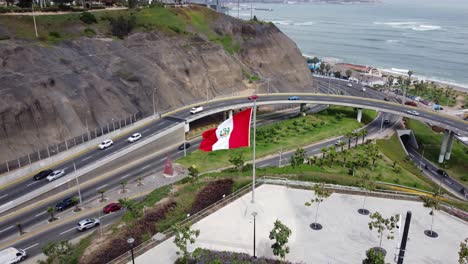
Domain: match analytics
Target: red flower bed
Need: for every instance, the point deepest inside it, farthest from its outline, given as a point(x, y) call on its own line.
point(211, 193)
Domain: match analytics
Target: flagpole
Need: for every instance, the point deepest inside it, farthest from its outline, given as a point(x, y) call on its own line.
point(254, 136)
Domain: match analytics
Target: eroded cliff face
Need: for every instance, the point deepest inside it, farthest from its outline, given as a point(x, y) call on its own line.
point(49, 93)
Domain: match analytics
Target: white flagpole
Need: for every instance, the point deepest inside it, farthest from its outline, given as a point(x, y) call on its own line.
point(254, 134)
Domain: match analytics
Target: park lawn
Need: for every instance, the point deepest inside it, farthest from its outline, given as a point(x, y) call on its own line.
point(281, 136)
point(392, 149)
point(457, 166)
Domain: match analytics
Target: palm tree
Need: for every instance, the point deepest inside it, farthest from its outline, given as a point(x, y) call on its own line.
point(101, 192)
point(75, 200)
point(349, 135)
point(324, 152)
point(123, 183)
point(356, 135)
point(20, 228)
point(332, 154)
point(328, 68)
point(51, 211)
point(363, 133)
point(348, 73)
point(341, 144)
point(322, 68)
point(345, 154)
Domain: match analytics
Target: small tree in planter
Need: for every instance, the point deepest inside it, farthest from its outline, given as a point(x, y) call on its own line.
point(20, 228)
point(280, 234)
point(75, 200)
point(320, 195)
point(139, 181)
point(381, 225)
point(368, 185)
point(374, 257)
point(123, 184)
point(432, 202)
point(184, 235)
point(101, 192)
point(237, 160)
point(51, 211)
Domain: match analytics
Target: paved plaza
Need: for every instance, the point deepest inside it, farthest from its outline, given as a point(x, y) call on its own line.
point(344, 238)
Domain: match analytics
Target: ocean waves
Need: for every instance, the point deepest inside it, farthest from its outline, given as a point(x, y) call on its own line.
point(416, 26)
point(293, 23)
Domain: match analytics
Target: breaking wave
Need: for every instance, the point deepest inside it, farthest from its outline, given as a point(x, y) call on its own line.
point(416, 26)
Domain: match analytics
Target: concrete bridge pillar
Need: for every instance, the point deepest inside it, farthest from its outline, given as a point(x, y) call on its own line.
point(443, 148)
point(302, 108)
point(231, 113)
point(449, 145)
point(359, 115)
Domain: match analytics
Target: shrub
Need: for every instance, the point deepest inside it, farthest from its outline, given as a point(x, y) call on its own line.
point(54, 34)
point(89, 32)
point(122, 26)
point(88, 18)
point(211, 193)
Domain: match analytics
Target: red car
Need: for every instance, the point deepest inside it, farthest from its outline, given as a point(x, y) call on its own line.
point(112, 207)
point(253, 97)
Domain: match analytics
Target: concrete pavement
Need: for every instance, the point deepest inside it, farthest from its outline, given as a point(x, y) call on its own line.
point(344, 238)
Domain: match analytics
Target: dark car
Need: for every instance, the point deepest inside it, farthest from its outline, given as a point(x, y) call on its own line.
point(112, 207)
point(66, 203)
point(386, 122)
point(42, 174)
point(385, 99)
point(187, 145)
point(442, 172)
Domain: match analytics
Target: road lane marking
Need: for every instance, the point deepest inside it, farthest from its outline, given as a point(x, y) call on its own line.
point(40, 214)
point(66, 231)
point(264, 165)
point(26, 248)
point(144, 131)
point(125, 176)
point(100, 187)
point(87, 158)
point(32, 183)
point(162, 159)
point(145, 167)
point(4, 196)
point(6, 229)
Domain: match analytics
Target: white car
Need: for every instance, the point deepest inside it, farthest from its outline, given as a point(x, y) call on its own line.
point(105, 144)
point(87, 224)
point(134, 137)
point(196, 109)
point(350, 84)
point(55, 175)
point(337, 143)
point(412, 112)
point(12, 255)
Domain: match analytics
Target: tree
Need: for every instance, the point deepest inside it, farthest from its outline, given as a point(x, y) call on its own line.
point(345, 154)
point(184, 235)
point(51, 211)
point(383, 224)
point(237, 160)
point(132, 3)
point(280, 234)
point(349, 135)
point(341, 144)
point(322, 68)
point(332, 154)
point(298, 158)
point(463, 253)
point(75, 200)
point(139, 181)
point(368, 185)
point(374, 257)
point(193, 173)
point(57, 252)
point(314, 61)
point(131, 206)
point(123, 184)
point(433, 203)
point(337, 74)
point(328, 68)
point(356, 135)
point(320, 195)
point(324, 152)
point(101, 192)
point(390, 80)
point(20, 228)
point(348, 73)
point(363, 133)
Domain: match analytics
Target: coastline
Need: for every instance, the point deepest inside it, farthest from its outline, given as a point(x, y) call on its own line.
point(402, 72)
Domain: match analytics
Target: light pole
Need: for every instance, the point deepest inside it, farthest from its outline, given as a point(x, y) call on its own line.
point(280, 154)
point(130, 242)
point(34, 18)
point(77, 183)
point(154, 107)
point(254, 137)
point(254, 214)
point(113, 125)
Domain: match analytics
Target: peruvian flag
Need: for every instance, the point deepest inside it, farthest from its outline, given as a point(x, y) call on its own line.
point(232, 133)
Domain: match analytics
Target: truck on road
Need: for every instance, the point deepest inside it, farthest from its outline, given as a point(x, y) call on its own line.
point(12, 255)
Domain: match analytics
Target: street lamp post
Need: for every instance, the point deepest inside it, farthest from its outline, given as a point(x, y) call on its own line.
point(78, 184)
point(130, 242)
point(254, 214)
point(254, 138)
point(154, 107)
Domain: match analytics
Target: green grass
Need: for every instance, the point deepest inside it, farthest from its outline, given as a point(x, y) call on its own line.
point(149, 201)
point(368, 116)
point(457, 166)
point(285, 135)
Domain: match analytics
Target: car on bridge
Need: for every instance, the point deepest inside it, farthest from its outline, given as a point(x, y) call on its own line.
point(294, 98)
point(87, 224)
point(134, 137)
point(55, 175)
point(412, 112)
point(253, 97)
point(105, 144)
point(185, 145)
point(196, 109)
point(42, 174)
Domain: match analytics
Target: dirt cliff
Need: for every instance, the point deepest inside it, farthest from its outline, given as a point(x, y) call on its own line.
point(51, 90)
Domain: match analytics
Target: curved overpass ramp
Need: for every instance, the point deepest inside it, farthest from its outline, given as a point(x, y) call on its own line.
point(448, 122)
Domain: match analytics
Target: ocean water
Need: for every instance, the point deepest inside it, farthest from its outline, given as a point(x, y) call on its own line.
point(429, 37)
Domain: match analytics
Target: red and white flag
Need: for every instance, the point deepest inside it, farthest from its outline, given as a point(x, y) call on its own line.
point(232, 133)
